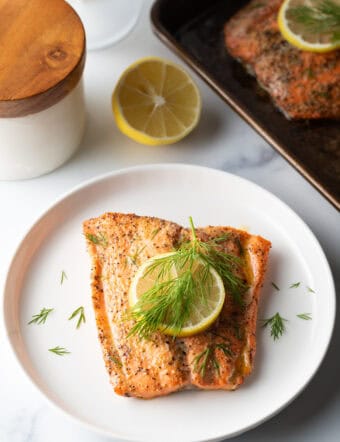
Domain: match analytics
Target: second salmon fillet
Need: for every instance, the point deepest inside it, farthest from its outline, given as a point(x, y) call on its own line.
point(304, 85)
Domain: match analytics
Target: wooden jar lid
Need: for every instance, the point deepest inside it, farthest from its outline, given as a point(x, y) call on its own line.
point(42, 54)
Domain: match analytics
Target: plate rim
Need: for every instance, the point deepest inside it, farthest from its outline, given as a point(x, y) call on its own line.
point(144, 168)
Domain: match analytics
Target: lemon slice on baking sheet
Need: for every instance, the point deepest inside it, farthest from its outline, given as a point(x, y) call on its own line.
point(311, 25)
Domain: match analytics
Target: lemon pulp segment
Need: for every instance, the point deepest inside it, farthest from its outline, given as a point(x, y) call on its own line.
point(156, 102)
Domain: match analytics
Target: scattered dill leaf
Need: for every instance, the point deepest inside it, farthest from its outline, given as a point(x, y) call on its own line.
point(276, 324)
point(295, 285)
point(275, 286)
point(128, 259)
point(131, 259)
point(226, 350)
point(63, 277)
point(60, 351)
point(201, 361)
point(239, 245)
point(135, 256)
point(115, 360)
point(99, 239)
point(78, 312)
point(310, 290)
point(208, 356)
point(309, 72)
point(154, 233)
point(238, 332)
point(305, 316)
point(41, 317)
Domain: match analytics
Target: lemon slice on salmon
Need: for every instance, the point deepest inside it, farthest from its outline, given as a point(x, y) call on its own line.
point(156, 102)
point(203, 313)
point(311, 25)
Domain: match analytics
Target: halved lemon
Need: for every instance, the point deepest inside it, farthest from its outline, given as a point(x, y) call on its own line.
point(204, 312)
point(156, 102)
point(299, 34)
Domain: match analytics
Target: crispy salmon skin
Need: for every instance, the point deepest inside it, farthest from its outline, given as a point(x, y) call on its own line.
point(146, 368)
point(303, 85)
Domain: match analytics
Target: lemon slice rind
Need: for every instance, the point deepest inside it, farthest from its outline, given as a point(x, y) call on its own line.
point(297, 40)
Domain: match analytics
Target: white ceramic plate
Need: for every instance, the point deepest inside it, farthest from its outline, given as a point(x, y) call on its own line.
point(78, 384)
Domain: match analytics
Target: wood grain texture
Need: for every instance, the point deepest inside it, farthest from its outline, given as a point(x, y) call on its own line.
point(42, 54)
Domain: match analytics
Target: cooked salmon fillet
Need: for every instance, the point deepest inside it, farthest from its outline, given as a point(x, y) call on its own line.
point(304, 85)
point(146, 368)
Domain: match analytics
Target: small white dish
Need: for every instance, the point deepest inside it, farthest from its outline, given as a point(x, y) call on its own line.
point(77, 383)
point(107, 21)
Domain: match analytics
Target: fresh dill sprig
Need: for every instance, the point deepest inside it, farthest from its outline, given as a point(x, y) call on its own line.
point(154, 233)
point(275, 286)
point(171, 300)
point(202, 359)
point(305, 316)
point(295, 285)
point(310, 290)
point(208, 356)
point(225, 264)
point(99, 239)
point(135, 256)
point(309, 72)
point(79, 311)
point(115, 360)
point(40, 318)
point(323, 17)
point(238, 332)
point(63, 277)
point(60, 351)
point(276, 324)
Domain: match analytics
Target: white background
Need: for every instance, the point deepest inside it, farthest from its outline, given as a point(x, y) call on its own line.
point(223, 141)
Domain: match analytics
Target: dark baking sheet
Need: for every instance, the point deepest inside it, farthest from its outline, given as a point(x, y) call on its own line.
point(194, 30)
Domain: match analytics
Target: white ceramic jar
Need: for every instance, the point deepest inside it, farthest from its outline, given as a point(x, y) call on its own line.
point(42, 110)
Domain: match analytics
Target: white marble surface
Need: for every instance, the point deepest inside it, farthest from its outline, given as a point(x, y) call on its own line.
point(223, 141)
